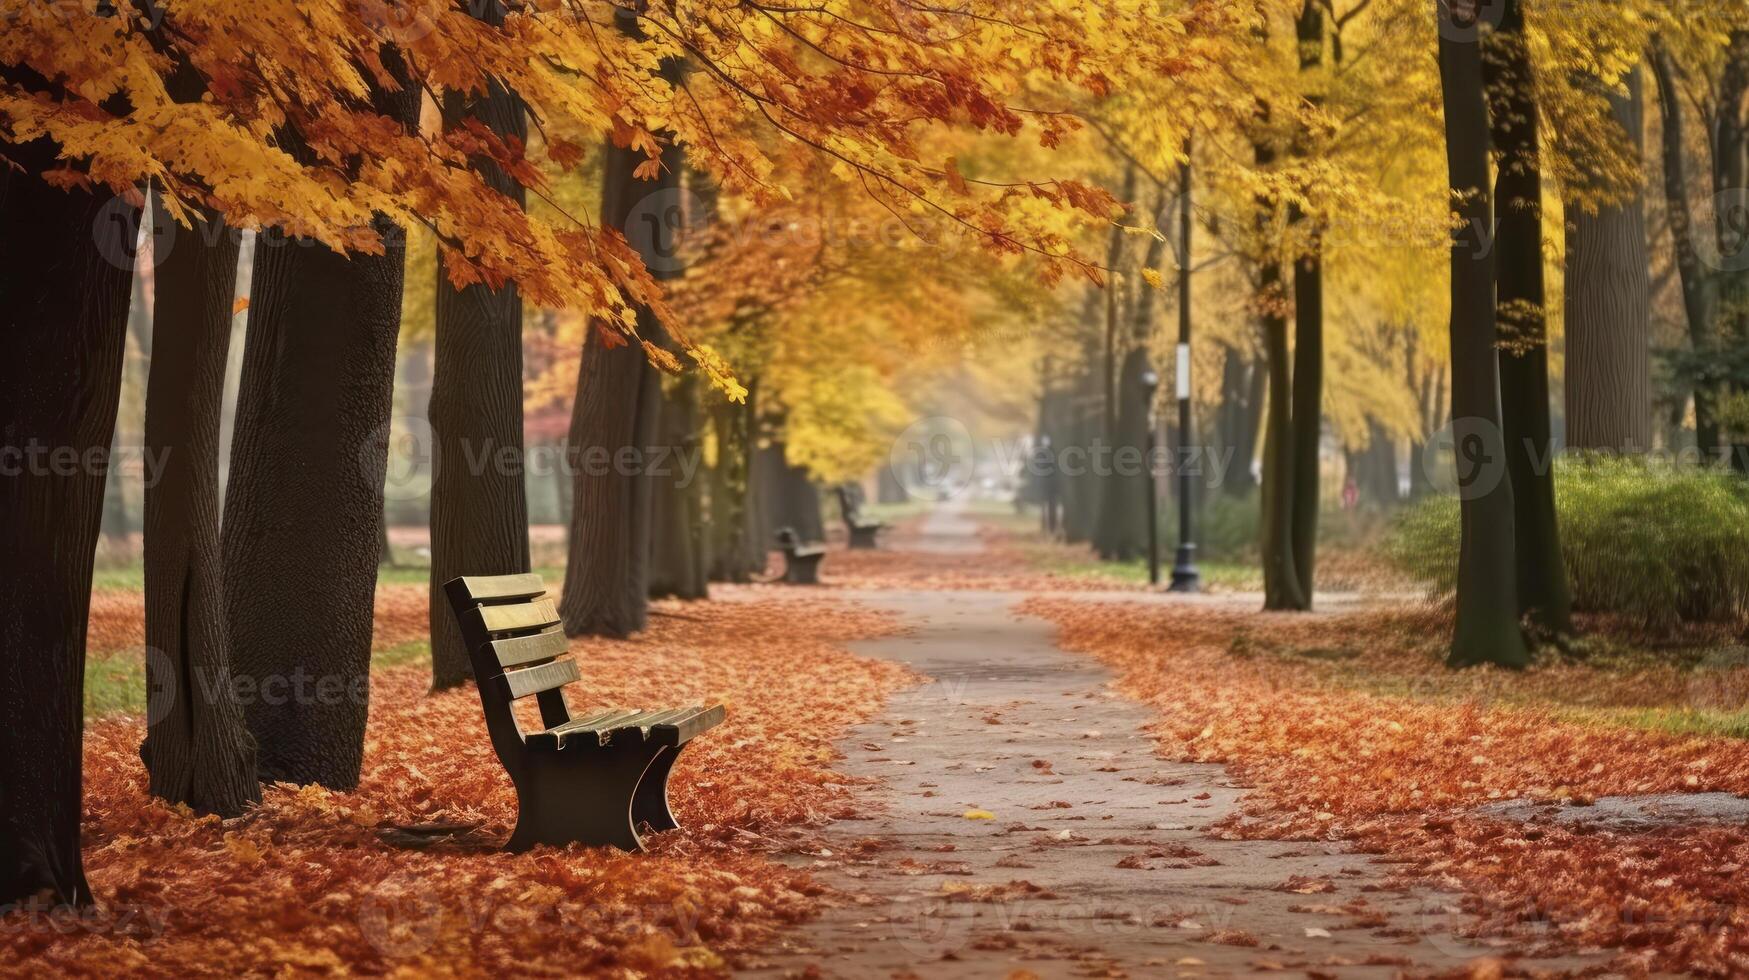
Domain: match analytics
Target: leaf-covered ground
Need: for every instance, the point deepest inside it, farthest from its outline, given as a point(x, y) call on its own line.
point(1348, 729)
point(307, 883)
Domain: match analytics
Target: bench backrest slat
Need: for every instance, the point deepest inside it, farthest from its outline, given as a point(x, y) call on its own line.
point(546, 677)
point(520, 651)
point(520, 617)
point(503, 588)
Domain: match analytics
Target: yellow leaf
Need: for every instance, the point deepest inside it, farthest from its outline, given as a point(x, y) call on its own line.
point(980, 815)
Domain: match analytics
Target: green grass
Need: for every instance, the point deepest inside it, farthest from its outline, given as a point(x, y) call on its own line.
point(1669, 721)
point(116, 684)
point(1228, 576)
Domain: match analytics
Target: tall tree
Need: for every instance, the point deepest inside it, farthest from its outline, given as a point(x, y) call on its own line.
point(1700, 294)
point(306, 487)
point(1308, 381)
point(479, 498)
point(1487, 597)
point(63, 321)
point(1522, 320)
point(1609, 299)
point(197, 749)
point(618, 406)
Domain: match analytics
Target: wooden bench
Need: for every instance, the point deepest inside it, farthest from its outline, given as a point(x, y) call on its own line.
point(801, 563)
point(864, 535)
point(591, 780)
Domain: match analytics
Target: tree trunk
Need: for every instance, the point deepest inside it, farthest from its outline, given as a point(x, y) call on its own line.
point(1123, 527)
point(791, 498)
point(479, 496)
point(679, 556)
point(1308, 380)
point(1521, 315)
point(738, 549)
point(1281, 582)
point(197, 749)
point(619, 400)
point(1487, 595)
point(1699, 290)
point(63, 322)
point(305, 502)
point(1609, 309)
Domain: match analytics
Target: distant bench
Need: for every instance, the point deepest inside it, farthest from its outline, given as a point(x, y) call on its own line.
point(801, 563)
point(590, 780)
point(864, 534)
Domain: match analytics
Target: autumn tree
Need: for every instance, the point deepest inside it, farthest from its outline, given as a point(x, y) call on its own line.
point(1521, 315)
point(479, 506)
point(1487, 628)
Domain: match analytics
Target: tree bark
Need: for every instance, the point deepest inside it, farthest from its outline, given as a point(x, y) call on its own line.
point(1699, 289)
point(1521, 313)
point(63, 322)
point(1308, 381)
point(304, 506)
point(1609, 309)
point(197, 749)
point(479, 496)
point(618, 406)
point(679, 550)
point(1487, 596)
point(1123, 528)
point(738, 548)
point(791, 498)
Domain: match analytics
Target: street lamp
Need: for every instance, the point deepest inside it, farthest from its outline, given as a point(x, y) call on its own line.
point(1151, 385)
point(1184, 574)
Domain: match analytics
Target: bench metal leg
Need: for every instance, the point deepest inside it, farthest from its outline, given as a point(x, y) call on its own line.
point(581, 795)
point(650, 802)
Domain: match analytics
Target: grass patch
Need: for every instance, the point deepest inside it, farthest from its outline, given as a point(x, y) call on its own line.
point(116, 684)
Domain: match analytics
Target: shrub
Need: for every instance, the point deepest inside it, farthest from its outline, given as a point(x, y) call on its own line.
point(1660, 544)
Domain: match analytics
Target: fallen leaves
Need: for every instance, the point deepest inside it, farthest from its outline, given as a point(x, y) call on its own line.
point(308, 883)
point(1388, 750)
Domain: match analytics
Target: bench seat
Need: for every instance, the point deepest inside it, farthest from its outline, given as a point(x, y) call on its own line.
point(673, 727)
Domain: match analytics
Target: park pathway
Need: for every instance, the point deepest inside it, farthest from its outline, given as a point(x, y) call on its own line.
point(1015, 818)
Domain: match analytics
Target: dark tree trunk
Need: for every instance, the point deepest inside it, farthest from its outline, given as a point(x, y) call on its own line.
point(67, 258)
point(197, 749)
point(479, 496)
point(1487, 596)
point(1308, 380)
point(617, 411)
point(791, 499)
point(1699, 289)
point(1123, 516)
point(304, 506)
point(1609, 309)
point(679, 552)
point(738, 550)
point(1281, 582)
point(1521, 314)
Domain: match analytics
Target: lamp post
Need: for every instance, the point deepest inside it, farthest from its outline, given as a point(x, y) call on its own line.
point(1185, 577)
point(1150, 386)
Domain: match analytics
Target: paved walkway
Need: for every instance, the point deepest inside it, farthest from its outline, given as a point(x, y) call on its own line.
point(1019, 820)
